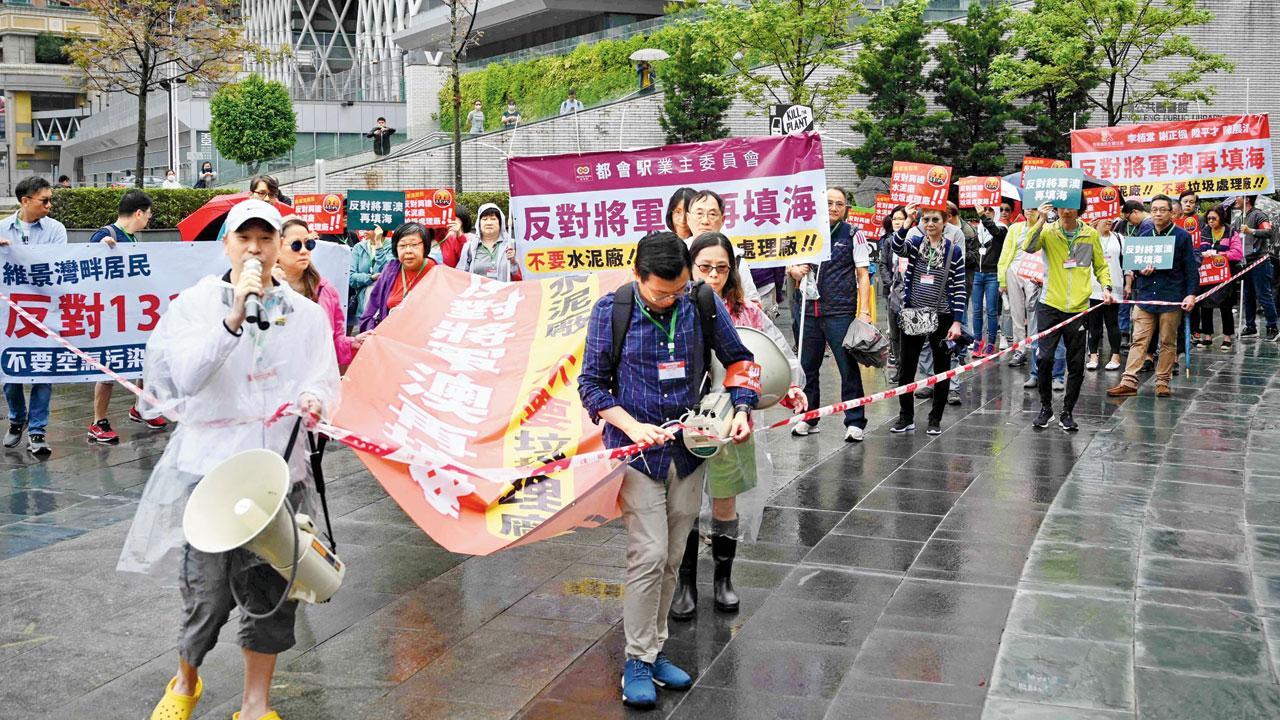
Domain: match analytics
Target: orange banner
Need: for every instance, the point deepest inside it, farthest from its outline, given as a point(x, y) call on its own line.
point(432, 207)
point(920, 183)
point(1101, 203)
point(979, 192)
point(484, 373)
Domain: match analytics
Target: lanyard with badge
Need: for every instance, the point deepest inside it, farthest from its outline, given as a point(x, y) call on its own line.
point(672, 369)
point(932, 259)
point(1071, 235)
point(22, 228)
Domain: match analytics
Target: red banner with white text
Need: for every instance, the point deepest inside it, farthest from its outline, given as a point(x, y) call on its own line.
point(1215, 157)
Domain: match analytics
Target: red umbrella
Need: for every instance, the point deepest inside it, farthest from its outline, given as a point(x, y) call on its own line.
point(206, 222)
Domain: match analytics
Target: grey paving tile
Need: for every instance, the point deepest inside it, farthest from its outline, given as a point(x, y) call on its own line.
point(1071, 616)
point(1202, 653)
point(1179, 696)
point(1075, 673)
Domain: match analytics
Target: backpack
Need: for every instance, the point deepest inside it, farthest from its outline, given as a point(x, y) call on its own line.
point(111, 230)
point(705, 303)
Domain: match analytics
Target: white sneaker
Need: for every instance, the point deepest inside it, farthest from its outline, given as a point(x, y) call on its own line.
point(1113, 365)
point(1002, 342)
point(803, 428)
point(853, 433)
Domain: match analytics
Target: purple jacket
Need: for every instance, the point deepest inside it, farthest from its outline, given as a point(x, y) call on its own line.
point(375, 310)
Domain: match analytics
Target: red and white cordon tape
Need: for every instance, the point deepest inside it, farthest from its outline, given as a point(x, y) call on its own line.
point(504, 476)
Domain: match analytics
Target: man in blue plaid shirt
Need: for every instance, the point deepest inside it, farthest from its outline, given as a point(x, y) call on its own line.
point(651, 383)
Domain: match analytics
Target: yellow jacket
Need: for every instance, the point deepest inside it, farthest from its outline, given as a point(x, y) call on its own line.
point(1068, 283)
point(1009, 252)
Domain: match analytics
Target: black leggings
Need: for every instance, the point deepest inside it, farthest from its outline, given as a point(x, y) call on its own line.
point(1203, 320)
point(910, 358)
point(1107, 317)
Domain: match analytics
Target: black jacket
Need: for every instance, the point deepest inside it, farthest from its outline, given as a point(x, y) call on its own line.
point(989, 262)
point(381, 141)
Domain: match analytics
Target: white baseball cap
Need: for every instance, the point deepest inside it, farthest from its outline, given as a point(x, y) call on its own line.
point(251, 209)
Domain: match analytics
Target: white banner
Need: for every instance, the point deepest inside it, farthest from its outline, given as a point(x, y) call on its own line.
point(106, 301)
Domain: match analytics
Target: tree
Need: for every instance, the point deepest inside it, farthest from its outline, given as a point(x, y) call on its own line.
point(147, 44)
point(1052, 75)
point(896, 124)
point(694, 104)
point(973, 137)
point(460, 39)
point(785, 51)
point(252, 121)
point(1140, 53)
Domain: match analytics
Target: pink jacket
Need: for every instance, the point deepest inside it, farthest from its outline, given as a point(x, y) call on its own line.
point(1231, 245)
point(332, 306)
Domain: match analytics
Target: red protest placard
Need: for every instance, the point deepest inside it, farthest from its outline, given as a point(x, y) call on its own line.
point(1101, 203)
point(863, 219)
point(1191, 223)
point(1031, 267)
point(1030, 161)
point(884, 206)
point(323, 212)
point(431, 207)
point(1214, 270)
point(977, 192)
point(920, 184)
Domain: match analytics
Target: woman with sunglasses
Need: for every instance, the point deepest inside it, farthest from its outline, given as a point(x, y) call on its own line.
point(737, 502)
point(933, 305)
point(409, 264)
point(295, 268)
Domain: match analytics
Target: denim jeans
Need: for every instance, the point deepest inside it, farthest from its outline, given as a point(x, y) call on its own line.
point(38, 419)
point(985, 306)
point(1258, 291)
point(825, 332)
point(1125, 315)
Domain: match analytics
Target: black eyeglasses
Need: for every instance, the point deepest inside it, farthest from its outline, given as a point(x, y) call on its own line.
point(43, 201)
point(296, 245)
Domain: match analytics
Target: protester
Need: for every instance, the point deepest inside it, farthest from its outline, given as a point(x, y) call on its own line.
point(206, 177)
point(171, 181)
point(1023, 294)
point(1218, 239)
point(1189, 206)
point(1072, 254)
point(654, 378)
point(894, 267)
point(475, 119)
point(843, 289)
point(294, 267)
point(64, 181)
point(267, 189)
point(369, 258)
point(677, 212)
point(381, 135)
point(1106, 317)
point(490, 251)
point(447, 249)
point(406, 268)
point(1178, 284)
point(933, 305)
point(30, 225)
point(571, 104)
point(1133, 220)
point(986, 284)
point(199, 358)
point(704, 214)
point(1256, 234)
point(132, 215)
point(965, 238)
point(733, 473)
point(510, 116)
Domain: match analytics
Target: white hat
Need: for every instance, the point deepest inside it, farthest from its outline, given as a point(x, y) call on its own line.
point(247, 210)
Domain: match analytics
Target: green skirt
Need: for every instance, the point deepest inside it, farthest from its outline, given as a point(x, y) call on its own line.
point(733, 470)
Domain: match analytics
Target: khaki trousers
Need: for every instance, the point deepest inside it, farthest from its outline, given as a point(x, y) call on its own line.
point(658, 515)
point(1144, 324)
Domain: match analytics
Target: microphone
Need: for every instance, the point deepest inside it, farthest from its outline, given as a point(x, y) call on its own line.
point(253, 311)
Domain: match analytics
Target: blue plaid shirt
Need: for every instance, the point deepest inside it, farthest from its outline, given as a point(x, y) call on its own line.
point(640, 391)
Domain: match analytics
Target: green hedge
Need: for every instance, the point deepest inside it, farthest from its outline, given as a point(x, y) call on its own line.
point(473, 200)
point(599, 72)
point(95, 207)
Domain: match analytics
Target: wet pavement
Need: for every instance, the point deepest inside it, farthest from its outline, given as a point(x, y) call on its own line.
point(995, 571)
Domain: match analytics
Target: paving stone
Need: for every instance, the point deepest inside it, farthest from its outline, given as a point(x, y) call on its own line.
point(1178, 696)
point(1201, 653)
point(1075, 673)
point(1079, 617)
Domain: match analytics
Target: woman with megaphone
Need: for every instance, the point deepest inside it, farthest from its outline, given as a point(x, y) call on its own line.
point(737, 497)
point(222, 377)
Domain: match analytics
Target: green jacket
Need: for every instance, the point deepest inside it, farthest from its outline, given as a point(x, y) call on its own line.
point(1067, 283)
point(1013, 241)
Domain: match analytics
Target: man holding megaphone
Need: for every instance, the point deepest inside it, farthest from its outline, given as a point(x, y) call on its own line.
point(227, 353)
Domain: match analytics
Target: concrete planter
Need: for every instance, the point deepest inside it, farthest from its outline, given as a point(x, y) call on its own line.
point(80, 235)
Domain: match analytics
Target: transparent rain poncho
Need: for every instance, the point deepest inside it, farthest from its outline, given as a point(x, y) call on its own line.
point(220, 389)
point(748, 466)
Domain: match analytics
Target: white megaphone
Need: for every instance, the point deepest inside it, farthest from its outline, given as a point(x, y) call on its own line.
point(714, 415)
point(241, 503)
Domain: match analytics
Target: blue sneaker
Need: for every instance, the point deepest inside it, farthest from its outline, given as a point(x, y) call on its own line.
point(638, 689)
point(669, 677)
